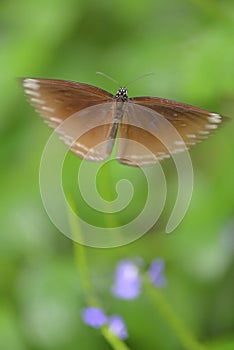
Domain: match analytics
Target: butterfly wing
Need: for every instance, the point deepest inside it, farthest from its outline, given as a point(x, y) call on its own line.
point(158, 126)
point(57, 100)
point(163, 127)
point(193, 123)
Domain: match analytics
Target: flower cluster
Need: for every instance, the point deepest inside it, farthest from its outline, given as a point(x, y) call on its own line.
point(127, 285)
point(128, 279)
point(96, 318)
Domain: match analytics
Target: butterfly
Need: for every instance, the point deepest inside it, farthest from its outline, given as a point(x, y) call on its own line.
point(148, 129)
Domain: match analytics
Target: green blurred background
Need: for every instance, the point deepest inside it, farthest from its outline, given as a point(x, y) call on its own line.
point(189, 45)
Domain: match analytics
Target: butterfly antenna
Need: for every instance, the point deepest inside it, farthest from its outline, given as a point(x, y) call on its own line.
point(108, 77)
point(140, 77)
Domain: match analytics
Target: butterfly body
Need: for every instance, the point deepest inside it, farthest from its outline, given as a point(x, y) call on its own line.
point(149, 129)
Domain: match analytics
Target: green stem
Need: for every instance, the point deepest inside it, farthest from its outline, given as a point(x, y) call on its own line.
point(91, 298)
point(177, 325)
point(115, 342)
point(81, 259)
point(105, 190)
point(82, 266)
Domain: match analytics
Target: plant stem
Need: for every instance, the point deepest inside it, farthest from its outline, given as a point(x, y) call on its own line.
point(91, 298)
point(115, 342)
point(177, 325)
point(81, 260)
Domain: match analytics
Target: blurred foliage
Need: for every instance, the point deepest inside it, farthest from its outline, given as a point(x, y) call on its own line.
point(189, 47)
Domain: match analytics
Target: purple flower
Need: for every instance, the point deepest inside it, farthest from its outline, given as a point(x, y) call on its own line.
point(118, 327)
point(155, 273)
point(127, 284)
point(94, 317)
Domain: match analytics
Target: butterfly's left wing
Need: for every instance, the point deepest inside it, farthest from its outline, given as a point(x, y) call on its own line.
point(57, 100)
point(163, 127)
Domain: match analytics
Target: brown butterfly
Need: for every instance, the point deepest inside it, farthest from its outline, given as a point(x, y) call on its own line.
point(146, 121)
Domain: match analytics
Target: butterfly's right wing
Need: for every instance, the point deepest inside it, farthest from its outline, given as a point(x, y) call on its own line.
point(192, 123)
point(163, 128)
point(57, 100)
point(144, 137)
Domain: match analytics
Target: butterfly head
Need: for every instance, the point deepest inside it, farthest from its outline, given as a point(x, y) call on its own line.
point(122, 94)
